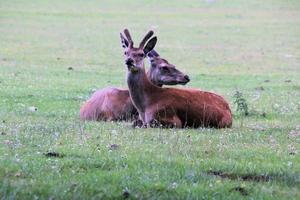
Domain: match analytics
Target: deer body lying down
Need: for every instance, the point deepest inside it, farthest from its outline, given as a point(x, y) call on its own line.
point(172, 107)
point(169, 107)
point(108, 104)
point(114, 104)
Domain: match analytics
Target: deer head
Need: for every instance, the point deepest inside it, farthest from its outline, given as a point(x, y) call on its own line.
point(161, 71)
point(134, 56)
point(164, 73)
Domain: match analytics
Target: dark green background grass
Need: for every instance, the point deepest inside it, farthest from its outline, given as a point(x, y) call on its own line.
point(225, 46)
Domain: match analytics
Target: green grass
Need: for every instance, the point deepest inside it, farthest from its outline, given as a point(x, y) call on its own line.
point(225, 46)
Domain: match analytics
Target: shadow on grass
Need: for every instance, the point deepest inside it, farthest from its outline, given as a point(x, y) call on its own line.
point(290, 179)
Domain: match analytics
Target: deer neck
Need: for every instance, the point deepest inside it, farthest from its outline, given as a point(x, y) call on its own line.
point(139, 88)
point(153, 80)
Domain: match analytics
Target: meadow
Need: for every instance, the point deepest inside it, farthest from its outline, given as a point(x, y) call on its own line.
point(55, 54)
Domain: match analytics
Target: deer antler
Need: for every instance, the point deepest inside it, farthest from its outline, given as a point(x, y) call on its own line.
point(127, 34)
point(146, 38)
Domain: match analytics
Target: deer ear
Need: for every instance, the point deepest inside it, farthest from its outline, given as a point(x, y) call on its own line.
point(152, 54)
point(124, 41)
point(150, 45)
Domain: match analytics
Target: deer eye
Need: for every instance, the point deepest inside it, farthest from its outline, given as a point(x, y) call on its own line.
point(164, 69)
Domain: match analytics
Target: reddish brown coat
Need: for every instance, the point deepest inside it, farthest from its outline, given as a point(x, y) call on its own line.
point(114, 104)
point(169, 107)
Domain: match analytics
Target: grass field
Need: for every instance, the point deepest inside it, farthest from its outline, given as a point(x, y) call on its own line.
point(225, 46)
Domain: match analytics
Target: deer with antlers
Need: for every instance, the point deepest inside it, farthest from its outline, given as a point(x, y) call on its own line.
point(114, 104)
point(169, 107)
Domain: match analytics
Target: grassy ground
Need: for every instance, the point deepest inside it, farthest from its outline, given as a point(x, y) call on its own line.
point(225, 46)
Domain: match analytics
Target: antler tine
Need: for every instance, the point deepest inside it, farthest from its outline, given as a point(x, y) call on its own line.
point(146, 38)
point(127, 34)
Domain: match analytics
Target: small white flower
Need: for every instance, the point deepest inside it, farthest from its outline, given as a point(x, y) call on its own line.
point(94, 90)
point(174, 185)
point(32, 109)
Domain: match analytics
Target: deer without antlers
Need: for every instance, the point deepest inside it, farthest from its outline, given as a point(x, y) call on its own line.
point(114, 104)
point(169, 107)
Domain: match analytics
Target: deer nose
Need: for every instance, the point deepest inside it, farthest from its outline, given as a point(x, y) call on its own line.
point(129, 62)
point(187, 78)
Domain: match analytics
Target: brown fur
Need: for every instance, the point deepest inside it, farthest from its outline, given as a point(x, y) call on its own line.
point(114, 104)
point(170, 107)
point(109, 104)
